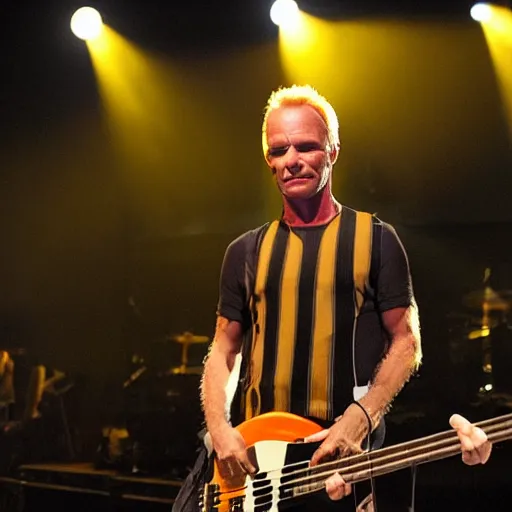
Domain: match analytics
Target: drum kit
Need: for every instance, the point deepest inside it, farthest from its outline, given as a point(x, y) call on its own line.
point(162, 402)
point(484, 351)
point(185, 340)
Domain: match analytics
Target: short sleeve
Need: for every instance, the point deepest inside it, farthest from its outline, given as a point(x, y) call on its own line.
point(394, 283)
point(232, 293)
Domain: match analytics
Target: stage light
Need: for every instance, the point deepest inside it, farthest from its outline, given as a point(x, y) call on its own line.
point(481, 12)
point(284, 12)
point(86, 23)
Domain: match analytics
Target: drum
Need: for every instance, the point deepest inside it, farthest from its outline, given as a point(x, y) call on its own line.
point(164, 417)
point(501, 359)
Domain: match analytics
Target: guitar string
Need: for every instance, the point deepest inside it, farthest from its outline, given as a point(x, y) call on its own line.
point(446, 436)
point(503, 434)
point(351, 461)
point(292, 497)
point(317, 476)
point(494, 430)
point(303, 476)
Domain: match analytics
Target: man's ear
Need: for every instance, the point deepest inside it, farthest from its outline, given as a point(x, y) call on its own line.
point(333, 153)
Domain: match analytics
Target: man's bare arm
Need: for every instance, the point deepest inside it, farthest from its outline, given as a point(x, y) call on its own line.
point(228, 443)
point(402, 359)
point(218, 365)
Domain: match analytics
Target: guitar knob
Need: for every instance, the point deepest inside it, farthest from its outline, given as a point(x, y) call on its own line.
point(236, 504)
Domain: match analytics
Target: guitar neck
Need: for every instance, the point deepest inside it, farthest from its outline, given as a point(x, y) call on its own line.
point(357, 468)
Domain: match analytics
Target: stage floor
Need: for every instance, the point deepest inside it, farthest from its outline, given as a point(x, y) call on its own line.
point(441, 485)
point(80, 486)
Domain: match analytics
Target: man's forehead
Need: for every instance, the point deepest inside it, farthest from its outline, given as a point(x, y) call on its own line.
point(289, 119)
point(303, 111)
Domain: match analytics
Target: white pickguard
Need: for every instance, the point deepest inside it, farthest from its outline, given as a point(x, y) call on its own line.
point(271, 456)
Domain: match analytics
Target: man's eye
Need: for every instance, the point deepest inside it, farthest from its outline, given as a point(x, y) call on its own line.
point(305, 148)
point(277, 151)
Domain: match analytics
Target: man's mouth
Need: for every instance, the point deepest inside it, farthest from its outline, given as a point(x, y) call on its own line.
point(298, 178)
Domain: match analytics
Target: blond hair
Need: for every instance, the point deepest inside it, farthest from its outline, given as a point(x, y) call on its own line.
point(302, 95)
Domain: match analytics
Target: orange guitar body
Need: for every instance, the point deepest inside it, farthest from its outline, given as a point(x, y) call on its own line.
point(272, 426)
point(277, 426)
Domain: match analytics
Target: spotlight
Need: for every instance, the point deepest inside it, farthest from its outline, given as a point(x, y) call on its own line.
point(86, 23)
point(284, 12)
point(481, 12)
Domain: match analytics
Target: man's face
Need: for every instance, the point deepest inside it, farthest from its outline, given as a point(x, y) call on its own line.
point(298, 151)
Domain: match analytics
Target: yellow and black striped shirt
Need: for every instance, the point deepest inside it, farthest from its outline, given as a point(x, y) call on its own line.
point(309, 300)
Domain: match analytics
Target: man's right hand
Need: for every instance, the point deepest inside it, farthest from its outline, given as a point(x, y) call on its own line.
point(231, 452)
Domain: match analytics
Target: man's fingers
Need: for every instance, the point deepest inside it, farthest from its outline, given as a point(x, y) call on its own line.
point(226, 468)
point(482, 445)
point(323, 451)
point(245, 463)
point(461, 424)
point(317, 457)
point(478, 436)
point(464, 431)
point(329, 449)
point(485, 452)
point(236, 464)
point(336, 487)
point(470, 458)
point(475, 446)
point(319, 436)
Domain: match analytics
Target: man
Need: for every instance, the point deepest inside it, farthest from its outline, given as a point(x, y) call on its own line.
point(7, 395)
point(320, 303)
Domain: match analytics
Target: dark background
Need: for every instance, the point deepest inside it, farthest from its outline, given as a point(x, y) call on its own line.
point(114, 220)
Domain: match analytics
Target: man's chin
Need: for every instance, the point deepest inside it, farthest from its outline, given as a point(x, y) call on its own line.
point(298, 192)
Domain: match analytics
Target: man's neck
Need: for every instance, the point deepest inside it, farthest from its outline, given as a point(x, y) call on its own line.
point(315, 211)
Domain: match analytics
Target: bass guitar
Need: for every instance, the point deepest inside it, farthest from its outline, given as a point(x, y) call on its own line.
point(284, 477)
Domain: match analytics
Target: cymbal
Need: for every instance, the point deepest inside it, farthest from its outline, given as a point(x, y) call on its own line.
point(479, 333)
point(188, 337)
point(492, 300)
point(14, 351)
point(185, 370)
point(472, 319)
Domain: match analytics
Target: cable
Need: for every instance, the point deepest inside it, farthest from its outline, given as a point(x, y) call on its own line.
point(414, 470)
point(369, 444)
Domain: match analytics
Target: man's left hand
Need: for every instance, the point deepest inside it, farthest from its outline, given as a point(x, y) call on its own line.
point(342, 439)
point(476, 449)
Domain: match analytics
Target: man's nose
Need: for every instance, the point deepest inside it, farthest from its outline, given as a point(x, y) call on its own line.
point(292, 162)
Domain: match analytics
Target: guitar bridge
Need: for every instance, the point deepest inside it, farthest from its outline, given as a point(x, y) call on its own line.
point(209, 498)
point(236, 504)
